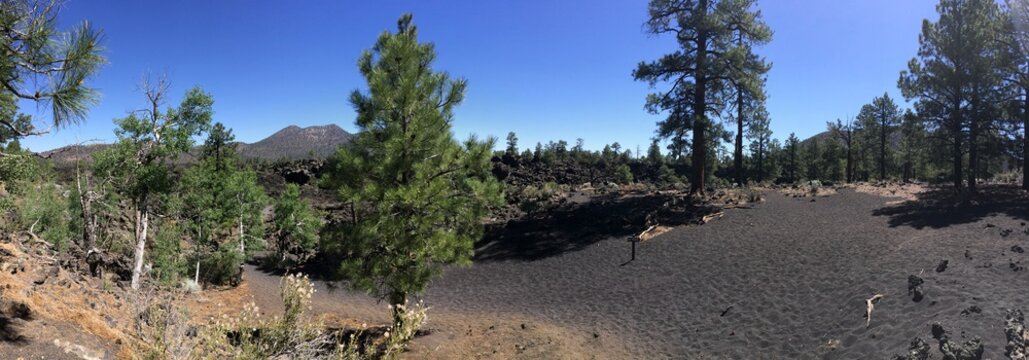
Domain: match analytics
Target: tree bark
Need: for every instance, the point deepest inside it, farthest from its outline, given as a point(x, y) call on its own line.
point(700, 107)
point(956, 152)
point(739, 137)
point(1025, 139)
point(89, 221)
point(850, 158)
point(973, 143)
point(760, 161)
point(882, 147)
point(399, 302)
point(142, 222)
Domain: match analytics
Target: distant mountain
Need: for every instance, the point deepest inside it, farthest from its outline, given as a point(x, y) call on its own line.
point(295, 142)
point(290, 143)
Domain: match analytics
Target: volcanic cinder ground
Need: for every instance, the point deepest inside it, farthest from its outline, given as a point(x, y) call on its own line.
point(787, 278)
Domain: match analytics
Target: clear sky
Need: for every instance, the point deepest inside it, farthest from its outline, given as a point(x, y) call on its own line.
point(545, 69)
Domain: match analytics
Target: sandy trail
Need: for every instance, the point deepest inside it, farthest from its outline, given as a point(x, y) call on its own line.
point(786, 279)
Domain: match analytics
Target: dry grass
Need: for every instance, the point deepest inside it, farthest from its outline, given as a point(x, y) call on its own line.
point(904, 191)
point(62, 296)
point(806, 190)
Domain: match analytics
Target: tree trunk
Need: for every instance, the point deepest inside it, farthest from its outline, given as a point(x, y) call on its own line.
point(242, 243)
point(739, 137)
point(700, 107)
point(1025, 139)
point(956, 153)
point(142, 222)
point(973, 143)
point(760, 161)
point(89, 221)
point(882, 149)
point(850, 161)
point(399, 302)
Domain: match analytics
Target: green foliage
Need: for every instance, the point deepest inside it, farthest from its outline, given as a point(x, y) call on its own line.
point(419, 195)
point(45, 211)
point(623, 175)
point(220, 147)
point(224, 212)
point(220, 265)
point(955, 78)
point(792, 159)
point(512, 143)
point(715, 39)
point(533, 199)
point(138, 164)
point(45, 65)
point(760, 134)
point(296, 226)
point(169, 262)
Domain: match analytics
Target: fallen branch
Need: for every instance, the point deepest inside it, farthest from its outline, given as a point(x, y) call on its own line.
point(707, 218)
point(651, 232)
point(644, 233)
point(871, 306)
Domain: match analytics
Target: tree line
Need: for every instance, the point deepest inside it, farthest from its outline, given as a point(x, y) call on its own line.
point(969, 83)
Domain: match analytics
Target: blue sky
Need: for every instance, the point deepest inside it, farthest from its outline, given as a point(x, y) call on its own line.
point(545, 69)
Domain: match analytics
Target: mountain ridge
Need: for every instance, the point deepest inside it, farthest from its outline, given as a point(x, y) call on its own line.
point(289, 143)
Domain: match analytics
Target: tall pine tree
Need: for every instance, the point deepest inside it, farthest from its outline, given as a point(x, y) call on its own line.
point(706, 31)
point(419, 195)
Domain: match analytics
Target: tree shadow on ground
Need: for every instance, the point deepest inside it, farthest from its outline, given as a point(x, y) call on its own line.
point(578, 225)
point(322, 268)
point(10, 333)
point(941, 207)
point(13, 314)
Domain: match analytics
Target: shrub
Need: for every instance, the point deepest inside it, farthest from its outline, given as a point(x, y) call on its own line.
point(222, 266)
point(537, 199)
point(623, 175)
point(169, 264)
point(296, 226)
point(45, 212)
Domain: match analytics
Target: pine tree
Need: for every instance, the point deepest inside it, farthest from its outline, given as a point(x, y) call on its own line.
point(46, 66)
point(812, 159)
point(1016, 36)
point(792, 157)
point(760, 134)
point(954, 75)
point(884, 116)
point(706, 31)
point(296, 226)
point(844, 133)
point(220, 146)
point(419, 195)
point(748, 76)
point(654, 156)
point(512, 143)
point(913, 145)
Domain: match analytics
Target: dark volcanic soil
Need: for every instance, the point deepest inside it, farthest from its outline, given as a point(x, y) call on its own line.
point(786, 279)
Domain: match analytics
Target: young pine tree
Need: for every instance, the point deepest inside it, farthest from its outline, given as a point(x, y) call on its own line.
point(224, 212)
point(419, 195)
point(296, 226)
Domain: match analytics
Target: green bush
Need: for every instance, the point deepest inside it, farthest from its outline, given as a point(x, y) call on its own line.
point(296, 226)
point(536, 199)
point(222, 266)
point(45, 212)
point(623, 175)
point(166, 255)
